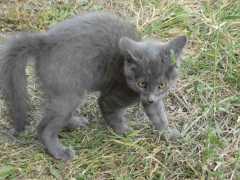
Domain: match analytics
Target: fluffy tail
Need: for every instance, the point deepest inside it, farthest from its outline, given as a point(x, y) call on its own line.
point(13, 62)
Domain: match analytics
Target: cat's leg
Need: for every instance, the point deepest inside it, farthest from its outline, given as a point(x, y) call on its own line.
point(77, 122)
point(112, 106)
point(58, 113)
point(156, 113)
point(112, 114)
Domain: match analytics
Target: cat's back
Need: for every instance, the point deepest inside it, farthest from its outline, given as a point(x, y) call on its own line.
point(96, 27)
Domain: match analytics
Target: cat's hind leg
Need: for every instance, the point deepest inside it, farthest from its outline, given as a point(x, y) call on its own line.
point(58, 113)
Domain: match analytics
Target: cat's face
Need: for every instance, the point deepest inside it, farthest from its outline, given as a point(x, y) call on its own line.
point(148, 67)
point(151, 78)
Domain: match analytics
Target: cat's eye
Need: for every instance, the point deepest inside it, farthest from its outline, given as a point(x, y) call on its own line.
point(163, 85)
point(142, 84)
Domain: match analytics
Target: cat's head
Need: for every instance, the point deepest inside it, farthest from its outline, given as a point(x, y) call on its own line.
point(151, 68)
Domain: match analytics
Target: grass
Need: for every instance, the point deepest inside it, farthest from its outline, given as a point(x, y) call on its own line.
point(204, 103)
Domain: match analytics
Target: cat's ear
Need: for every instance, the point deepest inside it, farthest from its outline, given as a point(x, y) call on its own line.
point(177, 45)
point(129, 47)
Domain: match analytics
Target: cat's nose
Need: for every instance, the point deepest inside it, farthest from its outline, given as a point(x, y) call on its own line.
point(151, 99)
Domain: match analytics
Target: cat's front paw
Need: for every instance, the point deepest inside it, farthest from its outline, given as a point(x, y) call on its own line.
point(120, 129)
point(77, 122)
point(65, 154)
point(173, 134)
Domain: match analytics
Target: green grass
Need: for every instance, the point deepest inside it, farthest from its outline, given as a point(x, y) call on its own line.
point(205, 102)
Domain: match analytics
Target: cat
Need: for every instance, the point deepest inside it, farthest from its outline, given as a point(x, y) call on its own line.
point(83, 54)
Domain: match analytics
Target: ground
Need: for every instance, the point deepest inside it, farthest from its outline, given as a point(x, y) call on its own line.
point(204, 103)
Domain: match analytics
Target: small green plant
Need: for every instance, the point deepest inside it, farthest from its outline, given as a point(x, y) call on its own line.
point(174, 63)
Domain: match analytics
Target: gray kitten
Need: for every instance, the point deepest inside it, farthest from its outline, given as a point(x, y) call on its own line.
point(87, 53)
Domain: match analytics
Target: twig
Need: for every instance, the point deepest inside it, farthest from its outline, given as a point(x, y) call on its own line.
point(180, 100)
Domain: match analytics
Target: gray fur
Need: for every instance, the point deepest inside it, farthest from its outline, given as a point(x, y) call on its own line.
point(87, 53)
